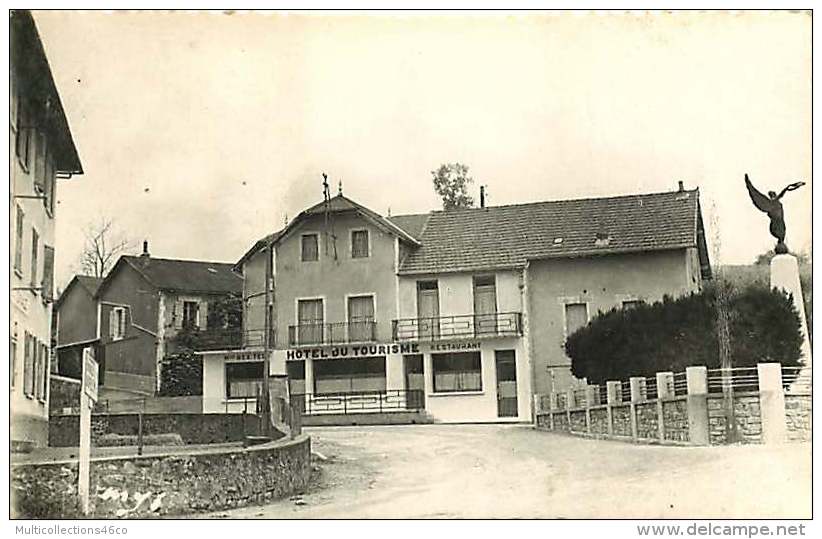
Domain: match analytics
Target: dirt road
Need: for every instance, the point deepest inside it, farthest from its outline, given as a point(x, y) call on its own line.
point(460, 471)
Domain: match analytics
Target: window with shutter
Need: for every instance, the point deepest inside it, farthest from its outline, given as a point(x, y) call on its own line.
point(576, 316)
point(359, 244)
point(28, 366)
point(48, 272)
point(18, 239)
point(310, 248)
point(112, 324)
point(35, 248)
point(23, 141)
point(40, 161)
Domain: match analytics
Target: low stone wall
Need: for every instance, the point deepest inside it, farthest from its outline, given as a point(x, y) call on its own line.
point(167, 484)
point(579, 422)
point(599, 421)
point(747, 415)
point(621, 416)
point(64, 431)
point(798, 418)
point(647, 420)
point(63, 393)
point(561, 422)
point(675, 419)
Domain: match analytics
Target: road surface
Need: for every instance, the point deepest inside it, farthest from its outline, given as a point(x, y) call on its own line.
point(513, 471)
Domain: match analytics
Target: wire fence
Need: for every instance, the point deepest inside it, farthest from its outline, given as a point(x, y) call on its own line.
point(797, 379)
point(625, 391)
point(679, 384)
point(651, 388)
point(735, 378)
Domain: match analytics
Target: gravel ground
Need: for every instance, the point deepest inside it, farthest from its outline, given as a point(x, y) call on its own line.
point(513, 471)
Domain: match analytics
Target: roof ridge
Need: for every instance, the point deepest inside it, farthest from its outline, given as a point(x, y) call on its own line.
point(138, 257)
point(557, 201)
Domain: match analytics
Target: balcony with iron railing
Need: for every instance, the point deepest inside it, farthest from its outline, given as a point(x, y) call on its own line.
point(202, 340)
point(332, 333)
point(458, 326)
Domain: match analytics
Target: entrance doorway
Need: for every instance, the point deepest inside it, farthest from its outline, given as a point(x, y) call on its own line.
point(428, 309)
point(506, 383)
point(414, 381)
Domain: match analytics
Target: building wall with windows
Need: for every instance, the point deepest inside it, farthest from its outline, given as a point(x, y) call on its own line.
point(40, 148)
point(559, 290)
point(129, 312)
point(333, 279)
point(254, 298)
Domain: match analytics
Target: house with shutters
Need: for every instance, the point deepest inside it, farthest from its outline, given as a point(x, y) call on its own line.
point(144, 304)
point(41, 151)
point(456, 315)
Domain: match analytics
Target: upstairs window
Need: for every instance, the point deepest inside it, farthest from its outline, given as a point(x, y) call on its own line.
point(48, 273)
point(117, 323)
point(310, 248)
point(18, 241)
point(35, 248)
point(28, 365)
point(576, 316)
point(23, 141)
point(359, 244)
point(40, 162)
point(191, 314)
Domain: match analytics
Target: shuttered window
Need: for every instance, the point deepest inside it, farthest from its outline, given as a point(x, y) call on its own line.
point(35, 248)
point(48, 272)
point(40, 162)
point(361, 318)
point(23, 141)
point(117, 323)
point(28, 365)
point(18, 240)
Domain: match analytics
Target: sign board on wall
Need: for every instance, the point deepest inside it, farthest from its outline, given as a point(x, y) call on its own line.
point(90, 374)
point(352, 351)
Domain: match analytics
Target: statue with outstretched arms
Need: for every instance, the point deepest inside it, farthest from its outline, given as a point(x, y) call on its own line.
point(772, 206)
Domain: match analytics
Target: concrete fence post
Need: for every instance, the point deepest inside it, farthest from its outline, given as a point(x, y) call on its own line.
point(772, 403)
point(612, 391)
point(591, 393)
point(637, 394)
point(697, 399)
point(664, 382)
point(569, 403)
point(552, 405)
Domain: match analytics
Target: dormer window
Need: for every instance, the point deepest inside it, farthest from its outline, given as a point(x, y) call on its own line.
point(359, 244)
point(310, 247)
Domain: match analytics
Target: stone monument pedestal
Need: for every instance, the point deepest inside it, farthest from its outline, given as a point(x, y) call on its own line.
point(785, 276)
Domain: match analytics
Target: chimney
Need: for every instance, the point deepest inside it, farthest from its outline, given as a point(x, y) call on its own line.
point(681, 186)
point(145, 249)
point(482, 196)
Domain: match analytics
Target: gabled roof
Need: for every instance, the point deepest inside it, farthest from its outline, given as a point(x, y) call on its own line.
point(340, 203)
point(86, 282)
point(35, 81)
point(261, 244)
point(193, 276)
point(413, 224)
point(508, 236)
point(337, 204)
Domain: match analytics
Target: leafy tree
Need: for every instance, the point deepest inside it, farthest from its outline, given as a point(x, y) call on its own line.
point(674, 334)
point(451, 182)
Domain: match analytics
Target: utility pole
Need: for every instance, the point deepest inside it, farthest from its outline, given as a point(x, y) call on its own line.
point(267, 341)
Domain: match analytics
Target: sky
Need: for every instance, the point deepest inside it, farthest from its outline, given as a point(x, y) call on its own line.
point(202, 132)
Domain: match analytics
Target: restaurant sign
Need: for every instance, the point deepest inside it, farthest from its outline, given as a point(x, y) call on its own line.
point(352, 351)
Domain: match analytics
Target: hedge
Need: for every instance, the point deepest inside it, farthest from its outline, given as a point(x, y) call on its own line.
point(182, 375)
point(677, 333)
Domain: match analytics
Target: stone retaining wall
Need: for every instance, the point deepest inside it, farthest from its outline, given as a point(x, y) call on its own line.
point(747, 415)
point(798, 418)
point(599, 421)
point(622, 420)
point(675, 420)
point(64, 431)
point(579, 421)
point(175, 484)
point(647, 421)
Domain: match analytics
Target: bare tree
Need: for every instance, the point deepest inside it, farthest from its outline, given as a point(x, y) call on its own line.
point(104, 243)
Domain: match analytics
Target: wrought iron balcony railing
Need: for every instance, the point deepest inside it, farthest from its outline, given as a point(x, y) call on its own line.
point(335, 333)
point(459, 326)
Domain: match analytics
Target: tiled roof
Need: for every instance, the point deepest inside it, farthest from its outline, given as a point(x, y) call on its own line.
point(412, 224)
point(187, 275)
point(508, 236)
point(340, 203)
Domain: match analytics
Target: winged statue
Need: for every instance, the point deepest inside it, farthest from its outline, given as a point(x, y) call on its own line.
point(772, 206)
